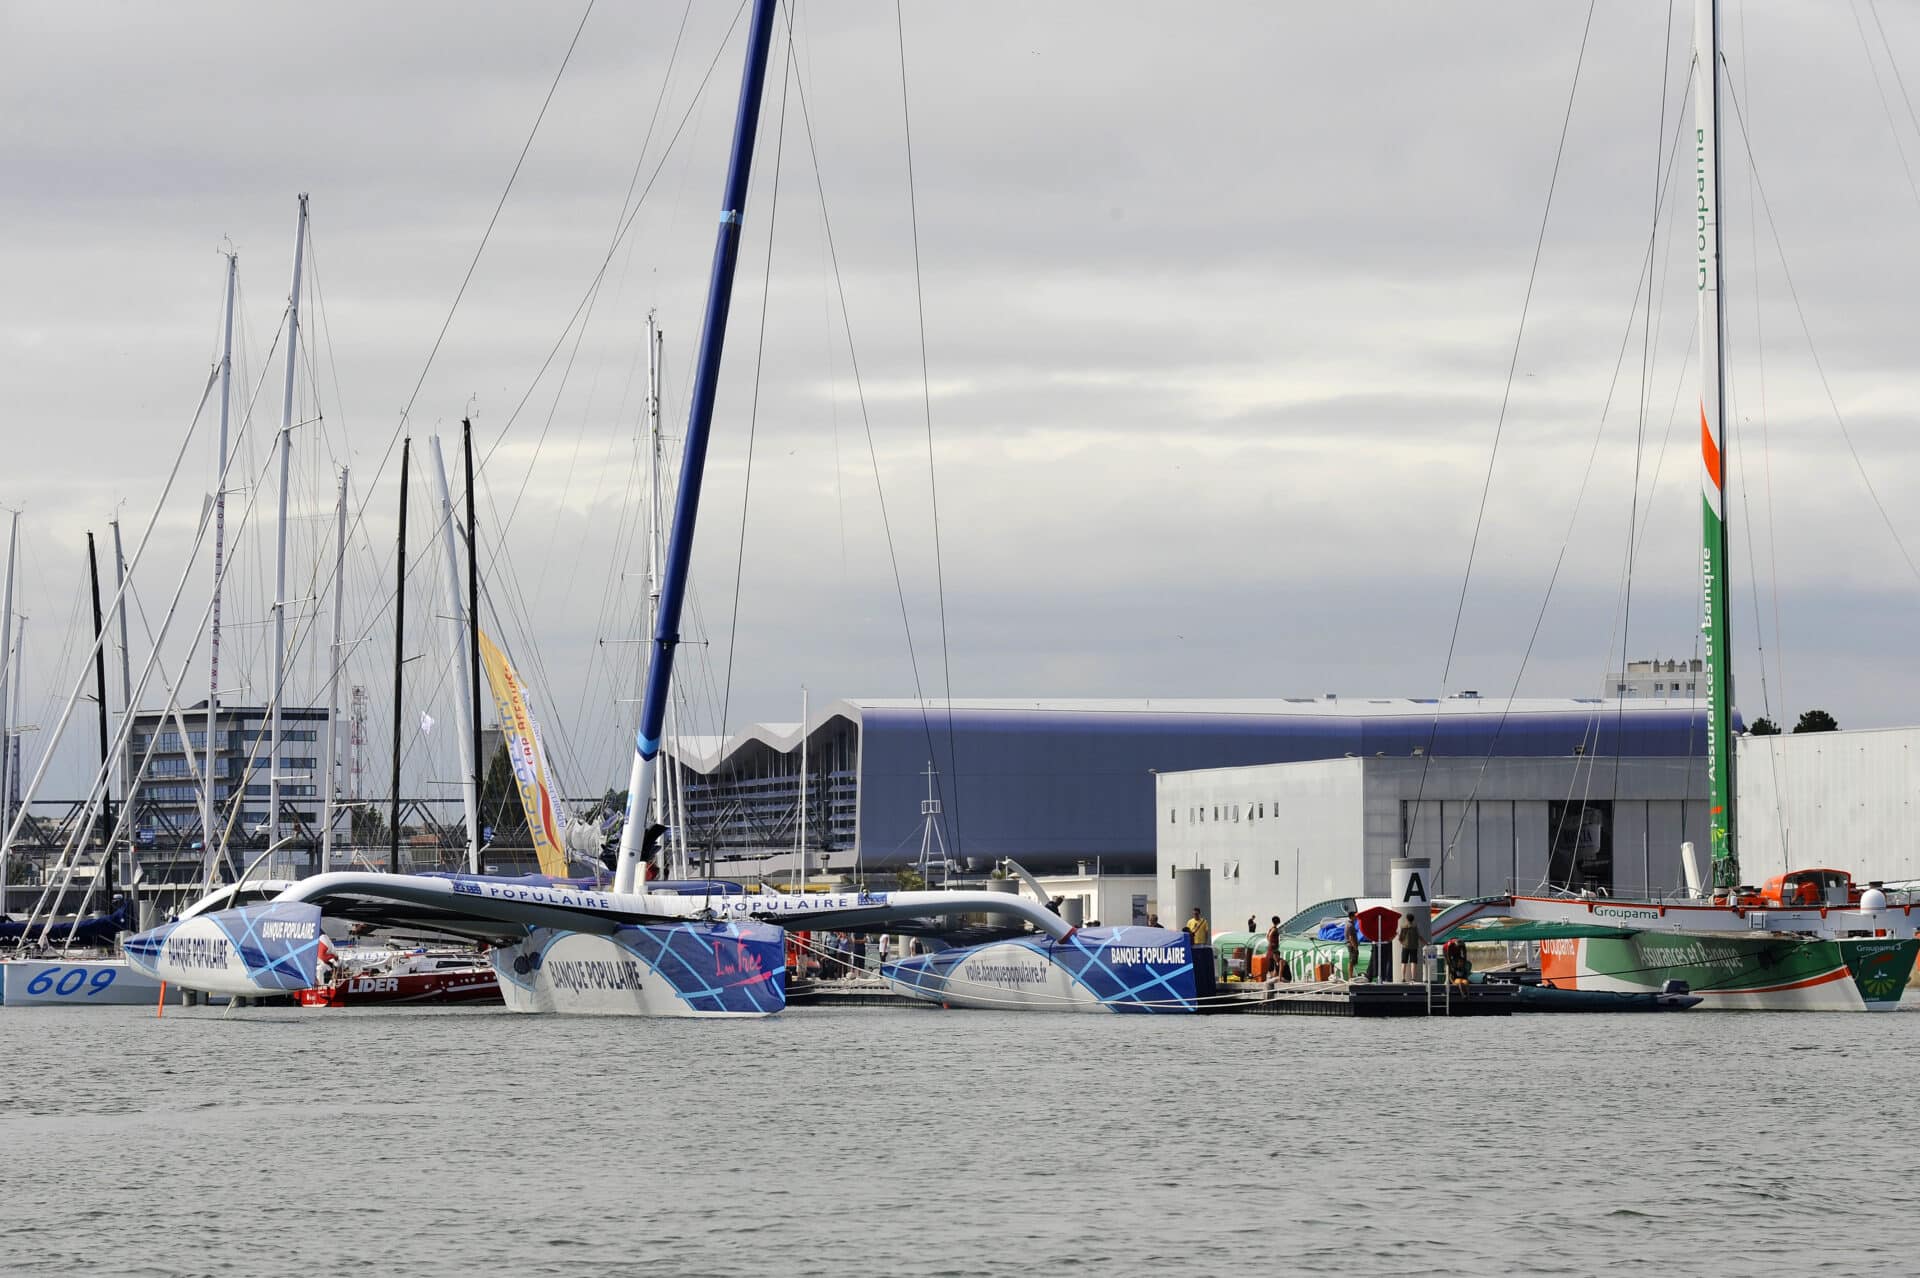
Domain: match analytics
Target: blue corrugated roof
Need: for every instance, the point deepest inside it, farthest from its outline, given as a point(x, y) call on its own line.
point(1055, 783)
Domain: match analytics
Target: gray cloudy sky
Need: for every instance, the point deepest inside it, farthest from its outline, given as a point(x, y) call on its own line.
point(1219, 309)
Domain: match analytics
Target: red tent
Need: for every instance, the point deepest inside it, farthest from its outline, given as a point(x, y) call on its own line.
point(1378, 923)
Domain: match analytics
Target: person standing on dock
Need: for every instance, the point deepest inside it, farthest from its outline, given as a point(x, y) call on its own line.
point(1197, 928)
point(1353, 944)
point(1408, 939)
point(1273, 948)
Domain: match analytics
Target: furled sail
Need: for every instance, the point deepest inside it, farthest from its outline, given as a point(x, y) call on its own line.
point(527, 756)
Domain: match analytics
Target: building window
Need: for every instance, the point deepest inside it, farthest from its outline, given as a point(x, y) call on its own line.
point(1173, 816)
point(1689, 688)
point(1619, 689)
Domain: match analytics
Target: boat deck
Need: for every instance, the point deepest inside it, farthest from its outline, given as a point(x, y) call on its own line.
point(851, 993)
point(1361, 998)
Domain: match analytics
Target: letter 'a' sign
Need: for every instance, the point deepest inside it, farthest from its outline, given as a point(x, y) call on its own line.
point(1410, 883)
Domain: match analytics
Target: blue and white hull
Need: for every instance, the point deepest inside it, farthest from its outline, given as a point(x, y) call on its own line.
point(1101, 969)
point(256, 949)
point(562, 947)
point(650, 969)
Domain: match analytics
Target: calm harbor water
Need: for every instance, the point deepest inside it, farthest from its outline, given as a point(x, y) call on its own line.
point(858, 1141)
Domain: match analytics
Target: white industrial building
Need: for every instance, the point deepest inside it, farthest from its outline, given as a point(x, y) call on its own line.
point(1670, 680)
point(1278, 837)
point(1848, 800)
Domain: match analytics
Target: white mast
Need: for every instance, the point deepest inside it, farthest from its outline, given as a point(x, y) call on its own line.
point(333, 674)
point(457, 630)
point(803, 787)
point(219, 552)
point(6, 714)
point(127, 778)
point(660, 806)
point(280, 538)
point(12, 795)
point(675, 785)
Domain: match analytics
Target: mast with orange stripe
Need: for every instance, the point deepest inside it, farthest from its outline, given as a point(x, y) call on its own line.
point(1714, 610)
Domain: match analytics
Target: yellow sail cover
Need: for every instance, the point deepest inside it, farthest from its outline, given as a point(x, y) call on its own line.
point(527, 756)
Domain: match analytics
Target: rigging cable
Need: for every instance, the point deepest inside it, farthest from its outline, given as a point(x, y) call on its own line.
point(1586, 477)
point(1640, 416)
point(753, 411)
point(1879, 88)
point(926, 401)
point(866, 421)
point(1776, 766)
point(1813, 352)
point(1500, 422)
point(487, 234)
point(472, 266)
point(594, 284)
point(1894, 63)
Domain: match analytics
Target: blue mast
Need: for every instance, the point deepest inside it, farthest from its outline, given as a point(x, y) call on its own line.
point(706, 380)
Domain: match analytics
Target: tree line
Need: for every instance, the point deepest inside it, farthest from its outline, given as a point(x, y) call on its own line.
point(1810, 721)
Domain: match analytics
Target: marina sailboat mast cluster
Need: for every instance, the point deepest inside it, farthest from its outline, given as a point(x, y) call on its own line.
point(1809, 940)
point(659, 949)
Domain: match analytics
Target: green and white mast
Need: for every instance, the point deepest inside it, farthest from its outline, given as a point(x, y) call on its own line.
point(1714, 612)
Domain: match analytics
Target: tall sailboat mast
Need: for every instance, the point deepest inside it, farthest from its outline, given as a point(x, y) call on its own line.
point(804, 874)
point(457, 630)
point(399, 656)
point(1715, 613)
point(274, 761)
point(209, 786)
point(668, 796)
point(7, 699)
point(479, 768)
point(652, 472)
point(330, 788)
point(100, 696)
point(128, 866)
point(706, 381)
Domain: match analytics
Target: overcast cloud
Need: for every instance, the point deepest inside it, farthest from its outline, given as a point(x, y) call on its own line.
point(1219, 310)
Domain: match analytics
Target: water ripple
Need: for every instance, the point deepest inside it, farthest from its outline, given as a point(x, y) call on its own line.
point(929, 1145)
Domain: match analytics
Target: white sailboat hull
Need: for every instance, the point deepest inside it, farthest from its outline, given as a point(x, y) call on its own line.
point(75, 983)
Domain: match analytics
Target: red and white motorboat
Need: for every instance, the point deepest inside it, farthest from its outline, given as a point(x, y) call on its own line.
point(363, 978)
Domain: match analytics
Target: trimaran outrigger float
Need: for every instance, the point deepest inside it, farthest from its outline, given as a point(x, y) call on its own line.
point(694, 949)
